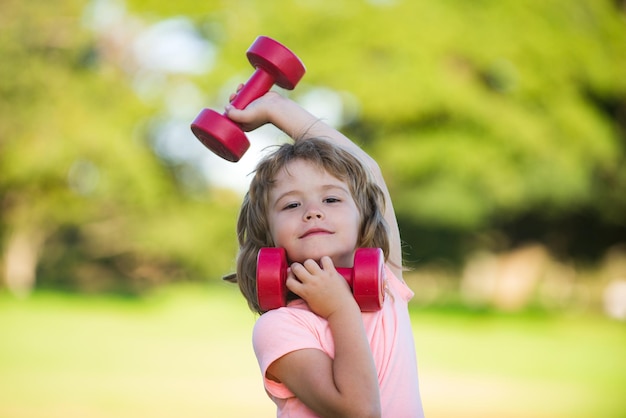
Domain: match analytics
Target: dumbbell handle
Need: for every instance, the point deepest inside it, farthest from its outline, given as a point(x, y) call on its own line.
point(259, 83)
point(347, 273)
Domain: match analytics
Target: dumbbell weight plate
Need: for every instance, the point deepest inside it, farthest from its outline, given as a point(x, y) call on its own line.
point(271, 275)
point(367, 280)
point(220, 134)
point(276, 59)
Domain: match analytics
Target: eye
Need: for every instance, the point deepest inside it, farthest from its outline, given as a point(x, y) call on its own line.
point(292, 205)
point(332, 200)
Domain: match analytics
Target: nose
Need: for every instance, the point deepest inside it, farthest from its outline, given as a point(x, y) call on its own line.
point(312, 213)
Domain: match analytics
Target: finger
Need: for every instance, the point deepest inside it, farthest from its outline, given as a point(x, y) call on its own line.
point(294, 284)
point(311, 266)
point(233, 113)
point(233, 95)
point(327, 263)
point(291, 273)
point(299, 271)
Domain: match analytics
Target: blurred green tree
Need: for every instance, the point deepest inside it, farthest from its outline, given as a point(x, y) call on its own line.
point(85, 203)
point(496, 122)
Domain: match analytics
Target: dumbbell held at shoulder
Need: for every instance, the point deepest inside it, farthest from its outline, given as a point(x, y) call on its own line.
point(365, 278)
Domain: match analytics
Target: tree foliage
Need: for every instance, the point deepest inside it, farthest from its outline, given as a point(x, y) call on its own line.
point(490, 115)
point(490, 119)
point(82, 192)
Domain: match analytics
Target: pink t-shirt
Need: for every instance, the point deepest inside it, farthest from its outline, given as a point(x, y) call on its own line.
point(295, 327)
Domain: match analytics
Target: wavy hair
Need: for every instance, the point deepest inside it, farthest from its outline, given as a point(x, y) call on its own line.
point(253, 231)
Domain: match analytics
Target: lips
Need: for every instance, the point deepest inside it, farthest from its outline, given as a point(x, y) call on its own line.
point(315, 231)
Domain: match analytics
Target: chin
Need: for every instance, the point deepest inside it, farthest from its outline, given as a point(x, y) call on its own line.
point(301, 257)
point(338, 260)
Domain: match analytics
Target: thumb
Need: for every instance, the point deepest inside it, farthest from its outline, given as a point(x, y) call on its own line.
point(236, 115)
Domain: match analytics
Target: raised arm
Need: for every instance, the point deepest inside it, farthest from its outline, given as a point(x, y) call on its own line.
point(298, 123)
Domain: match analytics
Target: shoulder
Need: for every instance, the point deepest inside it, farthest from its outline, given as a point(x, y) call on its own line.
point(288, 329)
point(293, 322)
point(296, 311)
point(397, 286)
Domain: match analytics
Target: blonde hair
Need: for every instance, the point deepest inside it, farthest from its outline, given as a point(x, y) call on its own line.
point(253, 231)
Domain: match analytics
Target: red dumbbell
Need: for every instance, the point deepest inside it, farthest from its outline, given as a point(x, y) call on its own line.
point(275, 64)
point(365, 278)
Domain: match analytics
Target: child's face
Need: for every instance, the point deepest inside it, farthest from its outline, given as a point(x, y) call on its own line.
point(312, 214)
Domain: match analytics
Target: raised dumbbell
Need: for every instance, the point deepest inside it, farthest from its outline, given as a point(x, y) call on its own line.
point(274, 64)
point(365, 278)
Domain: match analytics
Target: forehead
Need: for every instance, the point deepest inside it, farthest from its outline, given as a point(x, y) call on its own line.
point(302, 173)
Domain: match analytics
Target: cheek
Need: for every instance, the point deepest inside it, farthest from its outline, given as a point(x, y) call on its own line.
point(358, 225)
point(277, 228)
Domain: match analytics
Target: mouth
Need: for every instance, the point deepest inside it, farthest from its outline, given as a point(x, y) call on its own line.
point(315, 231)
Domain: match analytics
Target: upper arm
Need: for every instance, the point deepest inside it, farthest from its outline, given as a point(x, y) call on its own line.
point(308, 374)
point(395, 243)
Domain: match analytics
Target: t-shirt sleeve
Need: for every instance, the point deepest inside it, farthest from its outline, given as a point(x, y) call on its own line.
point(282, 331)
point(398, 286)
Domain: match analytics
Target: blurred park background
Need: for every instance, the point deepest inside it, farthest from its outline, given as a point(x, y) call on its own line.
point(500, 127)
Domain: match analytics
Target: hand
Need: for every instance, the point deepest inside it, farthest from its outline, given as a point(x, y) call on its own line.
point(322, 287)
point(256, 114)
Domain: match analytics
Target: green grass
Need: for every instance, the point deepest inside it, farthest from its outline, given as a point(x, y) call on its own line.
point(521, 365)
point(187, 352)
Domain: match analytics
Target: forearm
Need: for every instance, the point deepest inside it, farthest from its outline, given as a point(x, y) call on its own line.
point(299, 124)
